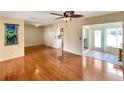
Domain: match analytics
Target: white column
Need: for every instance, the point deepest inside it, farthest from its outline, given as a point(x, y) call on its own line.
point(123, 46)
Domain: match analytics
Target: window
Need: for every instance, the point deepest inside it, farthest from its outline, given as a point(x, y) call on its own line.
point(114, 37)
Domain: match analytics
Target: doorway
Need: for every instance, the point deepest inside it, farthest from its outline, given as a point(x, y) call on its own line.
point(59, 38)
point(104, 42)
point(97, 40)
point(59, 43)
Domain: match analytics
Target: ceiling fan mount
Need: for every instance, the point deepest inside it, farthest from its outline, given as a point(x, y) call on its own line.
point(68, 13)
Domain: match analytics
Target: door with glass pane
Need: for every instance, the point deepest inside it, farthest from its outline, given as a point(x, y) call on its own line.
point(98, 40)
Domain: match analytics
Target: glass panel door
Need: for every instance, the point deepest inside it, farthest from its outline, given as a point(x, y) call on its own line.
point(98, 38)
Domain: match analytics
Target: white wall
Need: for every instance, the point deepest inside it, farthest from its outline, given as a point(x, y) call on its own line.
point(33, 36)
point(13, 51)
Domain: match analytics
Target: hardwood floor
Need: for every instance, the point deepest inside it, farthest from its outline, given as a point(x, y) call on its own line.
point(45, 63)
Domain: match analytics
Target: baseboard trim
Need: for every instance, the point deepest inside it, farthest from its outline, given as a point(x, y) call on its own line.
point(64, 50)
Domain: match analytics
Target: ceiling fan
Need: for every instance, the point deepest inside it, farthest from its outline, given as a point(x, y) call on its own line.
point(67, 15)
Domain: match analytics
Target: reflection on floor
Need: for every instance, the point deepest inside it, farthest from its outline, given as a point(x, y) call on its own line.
point(97, 70)
point(103, 56)
point(45, 63)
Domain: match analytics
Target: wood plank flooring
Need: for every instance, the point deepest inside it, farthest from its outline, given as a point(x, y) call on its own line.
point(45, 63)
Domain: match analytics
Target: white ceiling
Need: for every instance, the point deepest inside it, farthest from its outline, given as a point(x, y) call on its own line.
point(44, 17)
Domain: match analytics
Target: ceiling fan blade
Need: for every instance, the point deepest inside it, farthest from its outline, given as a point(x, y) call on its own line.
point(59, 17)
point(56, 14)
point(76, 16)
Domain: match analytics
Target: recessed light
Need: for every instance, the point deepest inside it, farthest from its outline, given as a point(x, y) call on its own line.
point(37, 24)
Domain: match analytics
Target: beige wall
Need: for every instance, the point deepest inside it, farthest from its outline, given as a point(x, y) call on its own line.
point(72, 34)
point(8, 52)
point(49, 34)
point(33, 36)
point(73, 31)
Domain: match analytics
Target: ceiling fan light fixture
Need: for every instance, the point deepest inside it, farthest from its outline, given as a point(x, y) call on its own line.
point(66, 19)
